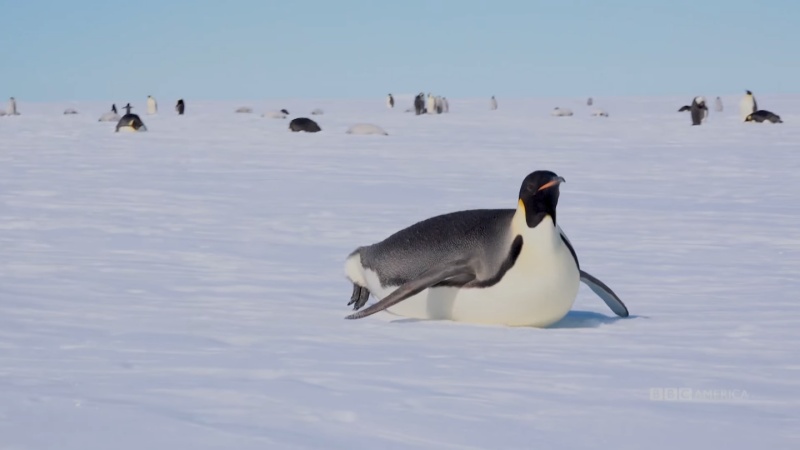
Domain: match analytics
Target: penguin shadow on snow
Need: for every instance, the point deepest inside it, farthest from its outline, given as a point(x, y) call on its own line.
point(573, 319)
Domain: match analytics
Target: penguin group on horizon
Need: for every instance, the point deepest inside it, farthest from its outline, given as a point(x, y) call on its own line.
point(748, 110)
point(433, 104)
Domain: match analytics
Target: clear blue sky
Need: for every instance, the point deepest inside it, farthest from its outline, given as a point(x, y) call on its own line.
point(53, 50)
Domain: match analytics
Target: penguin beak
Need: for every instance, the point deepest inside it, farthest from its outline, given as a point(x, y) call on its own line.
point(554, 182)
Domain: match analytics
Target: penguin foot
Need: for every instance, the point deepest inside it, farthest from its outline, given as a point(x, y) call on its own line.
point(359, 297)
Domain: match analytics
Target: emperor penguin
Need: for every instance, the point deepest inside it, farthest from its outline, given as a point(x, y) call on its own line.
point(180, 107)
point(130, 122)
point(446, 105)
point(511, 267)
point(12, 107)
point(747, 105)
point(110, 116)
point(699, 110)
point(152, 106)
point(390, 101)
point(762, 115)
point(718, 105)
point(419, 104)
point(493, 103)
point(589, 102)
point(431, 105)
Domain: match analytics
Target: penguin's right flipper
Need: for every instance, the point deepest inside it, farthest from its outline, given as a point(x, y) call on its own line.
point(463, 270)
point(605, 293)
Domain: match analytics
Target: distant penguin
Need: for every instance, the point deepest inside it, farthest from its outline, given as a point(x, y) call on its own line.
point(365, 129)
point(130, 122)
point(431, 104)
point(493, 103)
point(110, 116)
point(317, 112)
point(763, 115)
point(274, 115)
point(589, 102)
point(390, 101)
point(561, 112)
point(304, 124)
point(70, 111)
point(747, 105)
point(419, 104)
point(152, 107)
point(685, 108)
point(599, 113)
point(12, 107)
point(446, 104)
point(699, 110)
point(180, 107)
point(718, 105)
point(244, 110)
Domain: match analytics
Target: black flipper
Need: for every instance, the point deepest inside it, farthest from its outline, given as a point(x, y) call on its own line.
point(408, 289)
point(605, 293)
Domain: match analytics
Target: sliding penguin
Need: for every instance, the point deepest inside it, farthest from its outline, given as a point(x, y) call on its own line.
point(762, 115)
point(489, 266)
point(180, 107)
point(130, 122)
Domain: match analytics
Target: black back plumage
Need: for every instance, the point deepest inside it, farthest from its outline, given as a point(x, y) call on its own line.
point(408, 253)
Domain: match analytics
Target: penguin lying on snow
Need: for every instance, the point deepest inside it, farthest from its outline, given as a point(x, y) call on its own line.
point(490, 266)
point(763, 115)
point(130, 122)
point(304, 124)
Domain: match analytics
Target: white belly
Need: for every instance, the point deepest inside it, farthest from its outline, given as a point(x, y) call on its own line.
point(538, 291)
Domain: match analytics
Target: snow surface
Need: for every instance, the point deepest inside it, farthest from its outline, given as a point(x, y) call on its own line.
point(184, 289)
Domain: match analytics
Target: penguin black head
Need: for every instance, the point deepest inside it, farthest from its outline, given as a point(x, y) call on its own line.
point(538, 195)
point(749, 118)
point(749, 93)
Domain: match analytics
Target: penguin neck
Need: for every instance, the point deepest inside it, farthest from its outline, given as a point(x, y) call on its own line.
point(541, 236)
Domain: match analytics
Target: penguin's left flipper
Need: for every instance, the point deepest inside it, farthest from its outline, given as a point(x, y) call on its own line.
point(435, 275)
point(605, 293)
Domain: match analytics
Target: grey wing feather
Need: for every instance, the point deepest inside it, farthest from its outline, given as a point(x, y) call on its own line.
point(426, 280)
point(605, 293)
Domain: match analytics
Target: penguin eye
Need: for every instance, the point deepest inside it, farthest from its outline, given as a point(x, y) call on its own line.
point(531, 187)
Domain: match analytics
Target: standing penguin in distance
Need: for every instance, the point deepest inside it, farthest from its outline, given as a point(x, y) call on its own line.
point(491, 266)
point(747, 105)
point(152, 106)
point(390, 101)
point(130, 122)
point(718, 104)
point(180, 107)
point(12, 107)
point(493, 103)
point(699, 110)
point(419, 104)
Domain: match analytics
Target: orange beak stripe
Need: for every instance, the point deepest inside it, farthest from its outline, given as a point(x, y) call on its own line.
point(549, 184)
